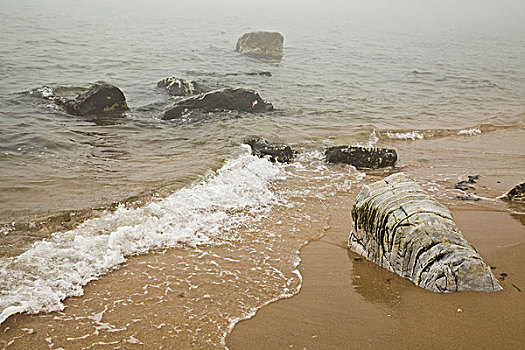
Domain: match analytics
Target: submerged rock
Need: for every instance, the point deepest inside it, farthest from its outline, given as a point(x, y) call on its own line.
point(517, 194)
point(242, 100)
point(276, 152)
point(100, 98)
point(401, 228)
point(261, 44)
point(180, 87)
point(362, 157)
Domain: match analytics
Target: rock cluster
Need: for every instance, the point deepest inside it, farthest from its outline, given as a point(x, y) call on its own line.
point(400, 227)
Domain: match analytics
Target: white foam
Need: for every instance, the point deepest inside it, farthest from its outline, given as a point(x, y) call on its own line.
point(412, 135)
point(470, 132)
point(55, 268)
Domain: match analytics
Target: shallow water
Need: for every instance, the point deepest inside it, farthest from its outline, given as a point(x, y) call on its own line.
point(342, 80)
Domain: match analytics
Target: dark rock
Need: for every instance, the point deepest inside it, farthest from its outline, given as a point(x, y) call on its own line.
point(261, 44)
point(100, 98)
point(463, 185)
point(242, 100)
point(265, 74)
point(469, 197)
point(180, 87)
point(517, 194)
point(276, 152)
point(400, 227)
point(362, 157)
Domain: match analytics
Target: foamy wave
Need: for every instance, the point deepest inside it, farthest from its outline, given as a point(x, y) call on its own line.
point(470, 132)
point(413, 135)
point(58, 267)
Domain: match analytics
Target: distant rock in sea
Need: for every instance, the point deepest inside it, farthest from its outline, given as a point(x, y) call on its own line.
point(100, 98)
point(239, 99)
point(275, 152)
point(180, 87)
point(400, 227)
point(261, 44)
point(362, 157)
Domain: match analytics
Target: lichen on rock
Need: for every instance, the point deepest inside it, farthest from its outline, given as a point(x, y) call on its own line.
point(400, 227)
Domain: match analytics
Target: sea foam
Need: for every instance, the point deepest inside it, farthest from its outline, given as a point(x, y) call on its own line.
point(52, 269)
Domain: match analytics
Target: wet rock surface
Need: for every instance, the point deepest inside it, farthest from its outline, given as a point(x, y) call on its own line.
point(362, 157)
point(401, 228)
point(180, 87)
point(261, 44)
point(276, 152)
point(516, 194)
point(242, 100)
point(100, 98)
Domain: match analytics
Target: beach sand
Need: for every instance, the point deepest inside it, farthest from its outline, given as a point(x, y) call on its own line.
point(347, 302)
point(183, 298)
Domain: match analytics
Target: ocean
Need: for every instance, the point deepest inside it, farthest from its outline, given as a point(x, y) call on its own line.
point(134, 211)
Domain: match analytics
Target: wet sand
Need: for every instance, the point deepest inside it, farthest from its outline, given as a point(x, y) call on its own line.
point(347, 302)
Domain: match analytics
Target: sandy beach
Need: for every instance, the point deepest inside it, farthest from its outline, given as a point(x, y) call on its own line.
point(347, 302)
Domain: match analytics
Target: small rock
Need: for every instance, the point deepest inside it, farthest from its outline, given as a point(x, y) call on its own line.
point(517, 194)
point(362, 157)
point(275, 151)
point(261, 44)
point(459, 310)
point(180, 87)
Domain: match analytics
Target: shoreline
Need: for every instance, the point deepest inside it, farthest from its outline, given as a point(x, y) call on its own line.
point(349, 302)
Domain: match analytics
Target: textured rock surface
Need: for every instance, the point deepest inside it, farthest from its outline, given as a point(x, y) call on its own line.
point(239, 99)
point(261, 44)
point(180, 87)
point(276, 152)
point(517, 194)
point(400, 227)
point(100, 98)
point(362, 157)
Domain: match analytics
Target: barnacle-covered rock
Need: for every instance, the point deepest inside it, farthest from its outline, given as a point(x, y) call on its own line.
point(400, 227)
point(276, 152)
point(180, 87)
point(362, 157)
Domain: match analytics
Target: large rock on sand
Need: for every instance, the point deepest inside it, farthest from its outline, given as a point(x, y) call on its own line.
point(362, 157)
point(242, 100)
point(100, 98)
point(261, 44)
point(276, 152)
point(180, 87)
point(400, 227)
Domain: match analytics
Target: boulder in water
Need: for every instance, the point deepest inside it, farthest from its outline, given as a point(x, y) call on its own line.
point(261, 44)
point(100, 98)
point(362, 157)
point(239, 99)
point(276, 152)
point(180, 87)
point(516, 194)
point(403, 229)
